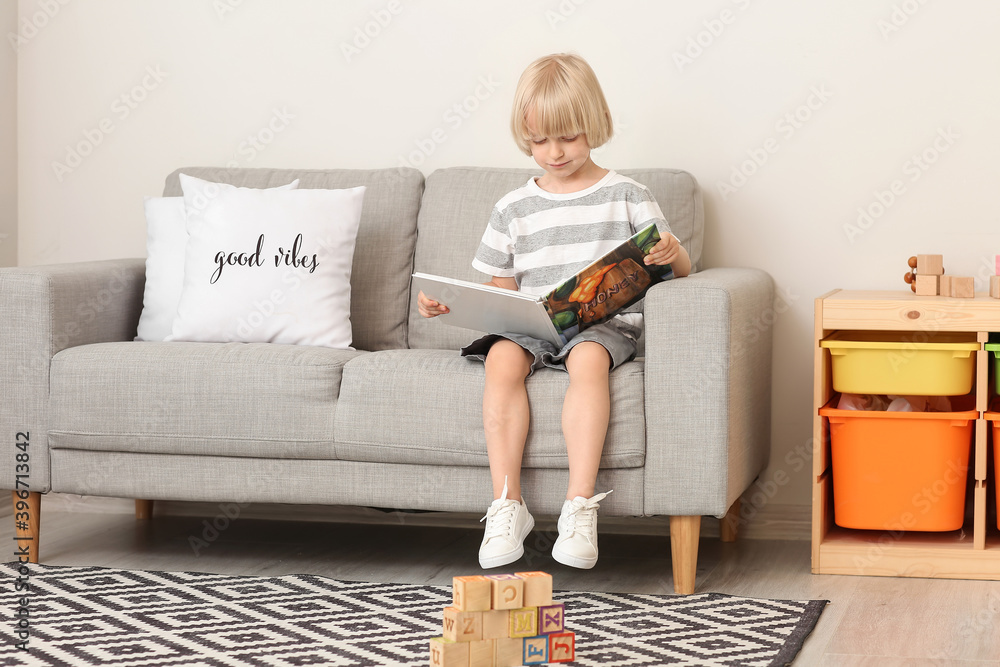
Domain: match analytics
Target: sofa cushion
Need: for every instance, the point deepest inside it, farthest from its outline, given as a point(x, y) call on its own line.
point(456, 207)
point(212, 399)
point(425, 406)
point(380, 282)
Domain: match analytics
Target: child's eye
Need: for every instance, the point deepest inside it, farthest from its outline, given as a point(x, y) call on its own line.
point(569, 139)
point(538, 142)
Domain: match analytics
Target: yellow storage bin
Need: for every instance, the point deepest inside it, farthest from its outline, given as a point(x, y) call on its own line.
point(906, 363)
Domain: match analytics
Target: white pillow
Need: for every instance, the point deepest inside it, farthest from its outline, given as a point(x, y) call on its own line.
point(268, 266)
point(166, 238)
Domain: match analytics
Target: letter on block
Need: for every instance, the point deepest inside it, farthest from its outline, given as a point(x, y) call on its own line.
point(928, 285)
point(551, 619)
point(473, 593)
point(930, 265)
point(508, 652)
point(508, 591)
point(481, 654)
point(496, 624)
point(446, 653)
point(537, 588)
point(536, 650)
point(524, 622)
point(562, 647)
point(463, 626)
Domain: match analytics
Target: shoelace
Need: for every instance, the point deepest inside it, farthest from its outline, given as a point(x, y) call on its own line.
point(500, 515)
point(582, 516)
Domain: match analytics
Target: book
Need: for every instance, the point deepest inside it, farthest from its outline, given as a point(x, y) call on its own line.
point(593, 295)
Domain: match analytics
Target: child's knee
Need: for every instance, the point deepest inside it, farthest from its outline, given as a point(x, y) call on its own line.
point(588, 357)
point(508, 359)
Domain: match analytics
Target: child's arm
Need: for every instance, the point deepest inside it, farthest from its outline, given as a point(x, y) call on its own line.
point(670, 251)
point(428, 307)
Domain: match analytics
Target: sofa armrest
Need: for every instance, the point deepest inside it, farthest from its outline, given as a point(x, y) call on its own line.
point(44, 310)
point(708, 389)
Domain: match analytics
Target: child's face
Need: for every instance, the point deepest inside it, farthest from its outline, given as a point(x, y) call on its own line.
point(562, 157)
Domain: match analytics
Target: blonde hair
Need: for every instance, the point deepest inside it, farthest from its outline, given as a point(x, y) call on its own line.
point(567, 100)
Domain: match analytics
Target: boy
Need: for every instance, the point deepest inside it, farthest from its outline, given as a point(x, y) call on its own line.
point(538, 235)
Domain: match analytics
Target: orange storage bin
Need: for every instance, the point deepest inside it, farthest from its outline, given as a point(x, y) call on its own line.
point(995, 418)
point(900, 470)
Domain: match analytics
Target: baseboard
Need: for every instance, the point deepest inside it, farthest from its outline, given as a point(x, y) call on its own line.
point(768, 522)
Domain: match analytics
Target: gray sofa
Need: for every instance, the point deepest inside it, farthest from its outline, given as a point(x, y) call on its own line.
point(395, 423)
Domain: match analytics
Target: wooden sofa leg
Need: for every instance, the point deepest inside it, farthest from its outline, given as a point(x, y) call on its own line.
point(729, 525)
point(143, 509)
point(684, 532)
point(27, 522)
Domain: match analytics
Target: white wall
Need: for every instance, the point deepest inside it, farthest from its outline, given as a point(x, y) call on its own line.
point(8, 137)
point(884, 86)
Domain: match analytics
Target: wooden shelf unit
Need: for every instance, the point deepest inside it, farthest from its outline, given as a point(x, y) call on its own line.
point(970, 553)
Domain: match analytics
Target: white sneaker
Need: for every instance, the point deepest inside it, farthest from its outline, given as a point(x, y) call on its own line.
point(576, 545)
point(508, 522)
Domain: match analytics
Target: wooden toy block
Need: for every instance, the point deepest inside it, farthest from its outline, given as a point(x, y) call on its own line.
point(446, 653)
point(473, 593)
point(508, 652)
point(930, 265)
point(508, 591)
point(995, 287)
point(523, 622)
point(927, 285)
point(462, 626)
point(551, 619)
point(562, 647)
point(536, 650)
point(944, 285)
point(481, 654)
point(537, 588)
point(963, 287)
point(496, 624)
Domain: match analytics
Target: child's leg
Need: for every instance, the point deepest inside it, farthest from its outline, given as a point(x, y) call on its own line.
point(586, 411)
point(506, 414)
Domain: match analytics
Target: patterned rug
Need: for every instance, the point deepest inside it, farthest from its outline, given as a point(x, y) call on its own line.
point(79, 616)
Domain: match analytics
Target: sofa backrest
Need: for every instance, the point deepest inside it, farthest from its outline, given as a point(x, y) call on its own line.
point(383, 256)
point(456, 207)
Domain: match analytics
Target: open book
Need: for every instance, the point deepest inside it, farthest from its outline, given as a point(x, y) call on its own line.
point(601, 289)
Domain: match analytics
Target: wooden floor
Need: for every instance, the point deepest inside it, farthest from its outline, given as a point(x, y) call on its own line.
point(869, 621)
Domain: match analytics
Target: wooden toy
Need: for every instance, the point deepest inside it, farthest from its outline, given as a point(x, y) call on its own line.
point(496, 623)
point(551, 619)
point(926, 285)
point(508, 652)
point(481, 654)
point(462, 626)
point(523, 622)
point(910, 277)
point(508, 591)
point(537, 588)
point(536, 650)
point(995, 286)
point(562, 647)
point(944, 285)
point(963, 287)
point(929, 265)
point(472, 593)
point(446, 653)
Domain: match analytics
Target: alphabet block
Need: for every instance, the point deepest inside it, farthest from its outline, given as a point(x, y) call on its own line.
point(508, 652)
point(537, 588)
point(508, 591)
point(481, 654)
point(562, 647)
point(995, 287)
point(473, 593)
point(551, 619)
point(496, 624)
point(929, 265)
point(536, 650)
point(927, 285)
point(446, 653)
point(963, 287)
point(463, 626)
point(523, 622)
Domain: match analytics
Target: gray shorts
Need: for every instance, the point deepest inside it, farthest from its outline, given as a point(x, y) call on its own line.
point(616, 336)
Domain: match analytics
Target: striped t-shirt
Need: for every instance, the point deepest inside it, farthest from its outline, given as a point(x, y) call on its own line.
point(541, 238)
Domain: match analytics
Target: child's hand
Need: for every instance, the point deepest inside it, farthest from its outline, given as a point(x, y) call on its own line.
point(664, 252)
point(429, 307)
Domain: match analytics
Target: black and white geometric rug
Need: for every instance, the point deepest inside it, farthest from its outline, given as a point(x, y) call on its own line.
point(81, 616)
